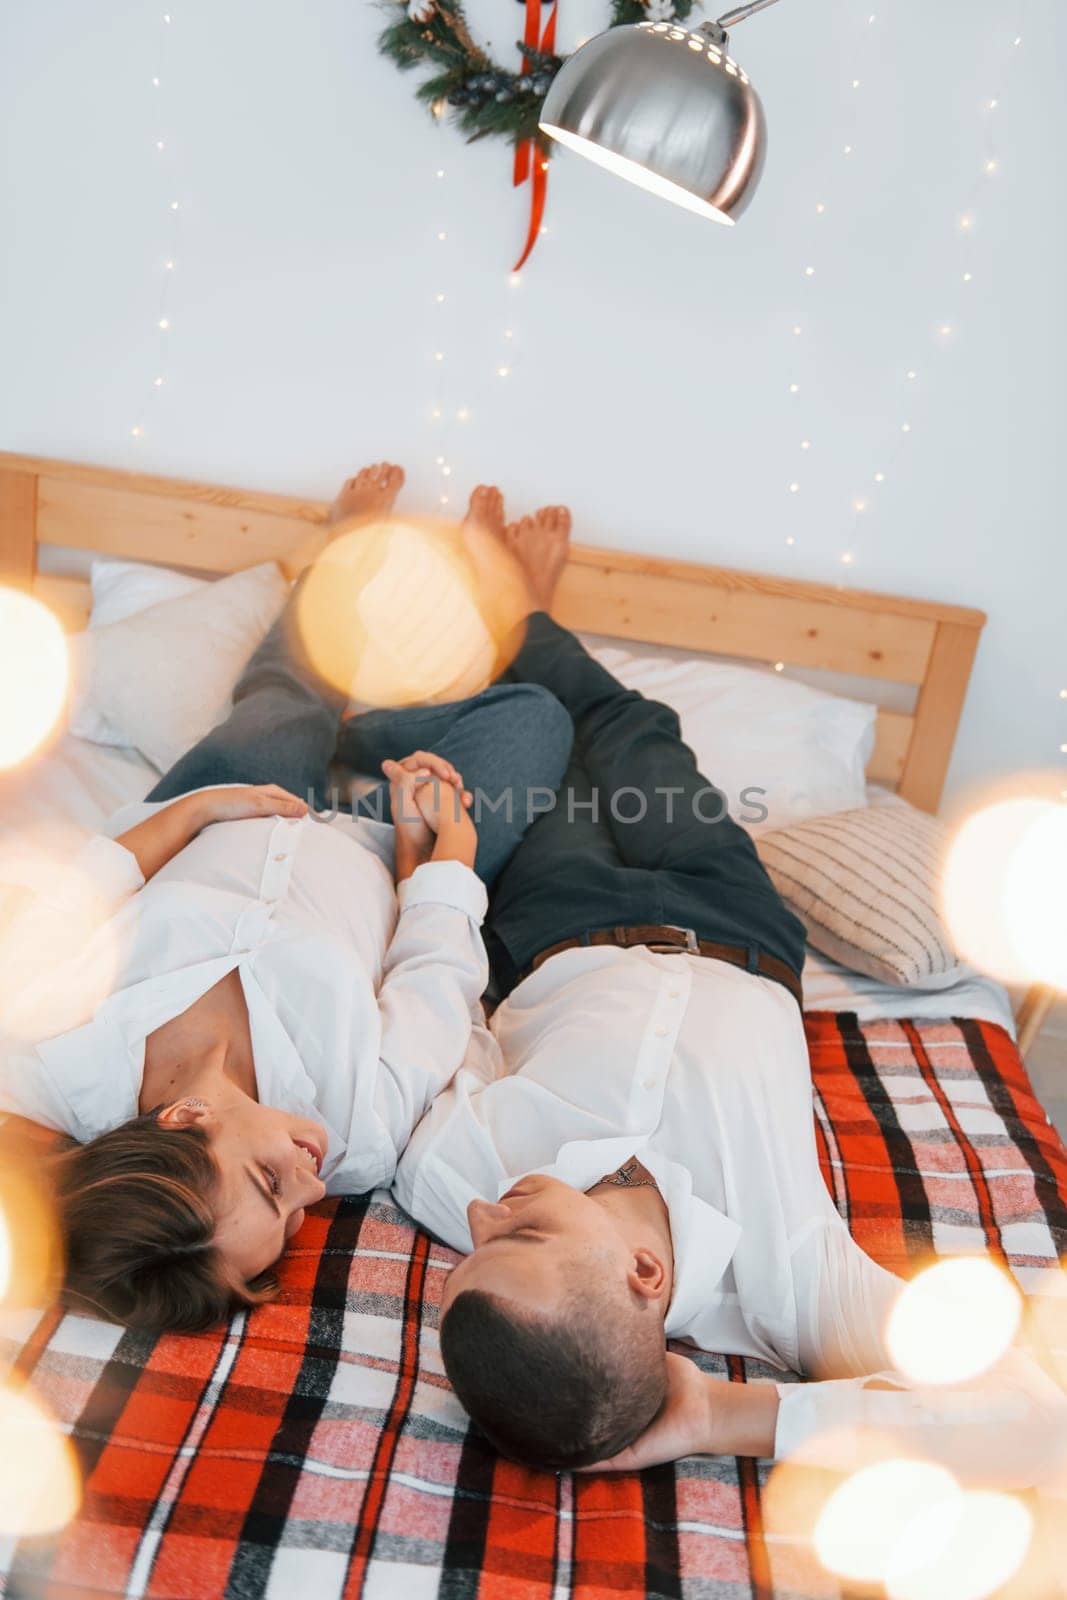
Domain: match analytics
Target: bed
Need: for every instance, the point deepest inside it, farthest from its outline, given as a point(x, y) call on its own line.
point(314, 1446)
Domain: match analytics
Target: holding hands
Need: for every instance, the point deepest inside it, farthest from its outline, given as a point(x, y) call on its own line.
point(431, 812)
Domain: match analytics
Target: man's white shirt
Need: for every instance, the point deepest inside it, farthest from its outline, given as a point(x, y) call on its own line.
point(359, 997)
point(701, 1069)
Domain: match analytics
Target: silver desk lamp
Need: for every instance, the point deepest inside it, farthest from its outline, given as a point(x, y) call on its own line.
point(667, 109)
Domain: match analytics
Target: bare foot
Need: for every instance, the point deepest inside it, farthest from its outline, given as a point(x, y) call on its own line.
point(540, 545)
point(371, 493)
point(487, 510)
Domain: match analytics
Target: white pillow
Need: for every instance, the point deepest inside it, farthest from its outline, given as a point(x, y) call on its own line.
point(122, 588)
point(754, 730)
point(160, 679)
point(119, 590)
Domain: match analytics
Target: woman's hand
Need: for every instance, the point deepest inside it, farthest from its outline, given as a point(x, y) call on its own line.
point(161, 836)
point(430, 812)
point(241, 801)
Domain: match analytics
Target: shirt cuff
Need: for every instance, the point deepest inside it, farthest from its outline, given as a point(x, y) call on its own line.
point(445, 883)
point(109, 870)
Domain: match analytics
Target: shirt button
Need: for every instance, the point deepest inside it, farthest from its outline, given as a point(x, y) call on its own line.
point(282, 857)
point(673, 994)
point(650, 1083)
point(662, 1032)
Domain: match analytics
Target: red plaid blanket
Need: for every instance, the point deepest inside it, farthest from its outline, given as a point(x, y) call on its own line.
point(314, 1448)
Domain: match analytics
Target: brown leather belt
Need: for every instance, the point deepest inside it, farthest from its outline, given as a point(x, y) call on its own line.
point(681, 941)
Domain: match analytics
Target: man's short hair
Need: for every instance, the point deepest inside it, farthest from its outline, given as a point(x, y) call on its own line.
point(555, 1392)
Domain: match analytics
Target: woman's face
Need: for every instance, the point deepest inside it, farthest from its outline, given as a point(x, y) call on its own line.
point(269, 1163)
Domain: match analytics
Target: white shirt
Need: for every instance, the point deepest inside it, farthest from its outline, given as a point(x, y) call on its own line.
point(701, 1069)
point(359, 998)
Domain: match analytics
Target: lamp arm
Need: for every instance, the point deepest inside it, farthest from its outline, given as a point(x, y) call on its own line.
point(739, 13)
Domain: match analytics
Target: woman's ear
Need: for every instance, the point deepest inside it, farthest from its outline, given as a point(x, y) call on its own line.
point(647, 1276)
point(183, 1113)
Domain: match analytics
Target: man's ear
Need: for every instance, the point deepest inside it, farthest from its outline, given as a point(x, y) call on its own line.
point(647, 1275)
point(182, 1114)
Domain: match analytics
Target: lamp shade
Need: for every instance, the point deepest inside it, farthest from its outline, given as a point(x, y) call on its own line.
point(666, 109)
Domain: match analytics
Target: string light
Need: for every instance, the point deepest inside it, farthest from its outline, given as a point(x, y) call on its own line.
point(164, 323)
point(797, 328)
point(794, 488)
point(463, 415)
point(805, 444)
point(440, 299)
point(441, 237)
point(966, 222)
point(503, 372)
point(779, 666)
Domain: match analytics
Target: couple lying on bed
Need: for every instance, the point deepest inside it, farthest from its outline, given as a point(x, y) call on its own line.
point(627, 1157)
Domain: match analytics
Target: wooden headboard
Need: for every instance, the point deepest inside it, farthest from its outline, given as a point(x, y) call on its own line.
point(922, 644)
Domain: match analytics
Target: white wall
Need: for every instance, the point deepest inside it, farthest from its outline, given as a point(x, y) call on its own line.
point(652, 352)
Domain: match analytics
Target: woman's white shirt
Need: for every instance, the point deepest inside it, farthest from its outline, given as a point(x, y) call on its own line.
point(359, 997)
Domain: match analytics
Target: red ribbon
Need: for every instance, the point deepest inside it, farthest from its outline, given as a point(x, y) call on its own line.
point(528, 154)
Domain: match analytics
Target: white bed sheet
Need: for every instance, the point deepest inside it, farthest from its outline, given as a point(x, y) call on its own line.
point(73, 788)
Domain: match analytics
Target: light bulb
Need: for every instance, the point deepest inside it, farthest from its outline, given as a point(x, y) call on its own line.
point(859, 504)
point(137, 431)
point(1063, 694)
point(439, 355)
point(514, 279)
point(905, 427)
point(855, 83)
point(442, 236)
point(502, 372)
point(805, 444)
point(809, 272)
point(911, 373)
point(794, 488)
point(879, 477)
point(993, 104)
point(446, 472)
point(794, 388)
point(164, 322)
point(967, 277)
point(169, 265)
point(966, 222)
point(945, 329)
point(155, 83)
point(789, 539)
point(439, 461)
point(159, 144)
point(444, 499)
point(779, 666)
point(797, 328)
point(508, 334)
point(436, 414)
point(462, 415)
point(846, 558)
point(157, 383)
point(848, 150)
point(819, 208)
point(174, 205)
point(991, 165)
point(440, 172)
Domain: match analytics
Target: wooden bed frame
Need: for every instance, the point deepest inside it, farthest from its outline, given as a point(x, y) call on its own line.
point(925, 645)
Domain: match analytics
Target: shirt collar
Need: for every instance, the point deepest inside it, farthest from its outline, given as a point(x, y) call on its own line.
point(703, 1238)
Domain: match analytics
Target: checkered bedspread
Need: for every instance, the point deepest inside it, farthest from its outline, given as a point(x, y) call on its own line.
point(314, 1448)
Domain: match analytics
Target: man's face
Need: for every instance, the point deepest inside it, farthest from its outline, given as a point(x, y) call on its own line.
point(528, 1244)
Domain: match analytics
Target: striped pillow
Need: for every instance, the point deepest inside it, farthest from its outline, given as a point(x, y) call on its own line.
point(865, 885)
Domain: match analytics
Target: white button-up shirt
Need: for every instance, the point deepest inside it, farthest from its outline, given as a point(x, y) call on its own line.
point(701, 1069)
point(359, 997)
point(698, 1067)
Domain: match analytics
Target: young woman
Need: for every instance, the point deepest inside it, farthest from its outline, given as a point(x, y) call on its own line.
point(269, 1000)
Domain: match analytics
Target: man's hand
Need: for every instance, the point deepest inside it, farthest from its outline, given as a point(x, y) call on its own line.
point(681, 1427)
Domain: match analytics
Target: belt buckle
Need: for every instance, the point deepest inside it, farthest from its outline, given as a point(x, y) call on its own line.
point(692, 943)
point(691, 946)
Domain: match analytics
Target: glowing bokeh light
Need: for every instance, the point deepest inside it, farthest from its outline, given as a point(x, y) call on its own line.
point(402, 612)
point(34, 671)
point(892, 1517)
point(5, 1256)
point(953, 1321)
point(1004, 890)
point(988, 1537)
point(40, 1489)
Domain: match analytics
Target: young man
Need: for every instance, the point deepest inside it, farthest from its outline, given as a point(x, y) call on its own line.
point(270, 999)
point(629, 1156)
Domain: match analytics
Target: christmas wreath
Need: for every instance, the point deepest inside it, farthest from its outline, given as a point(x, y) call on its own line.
point(484, 98)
